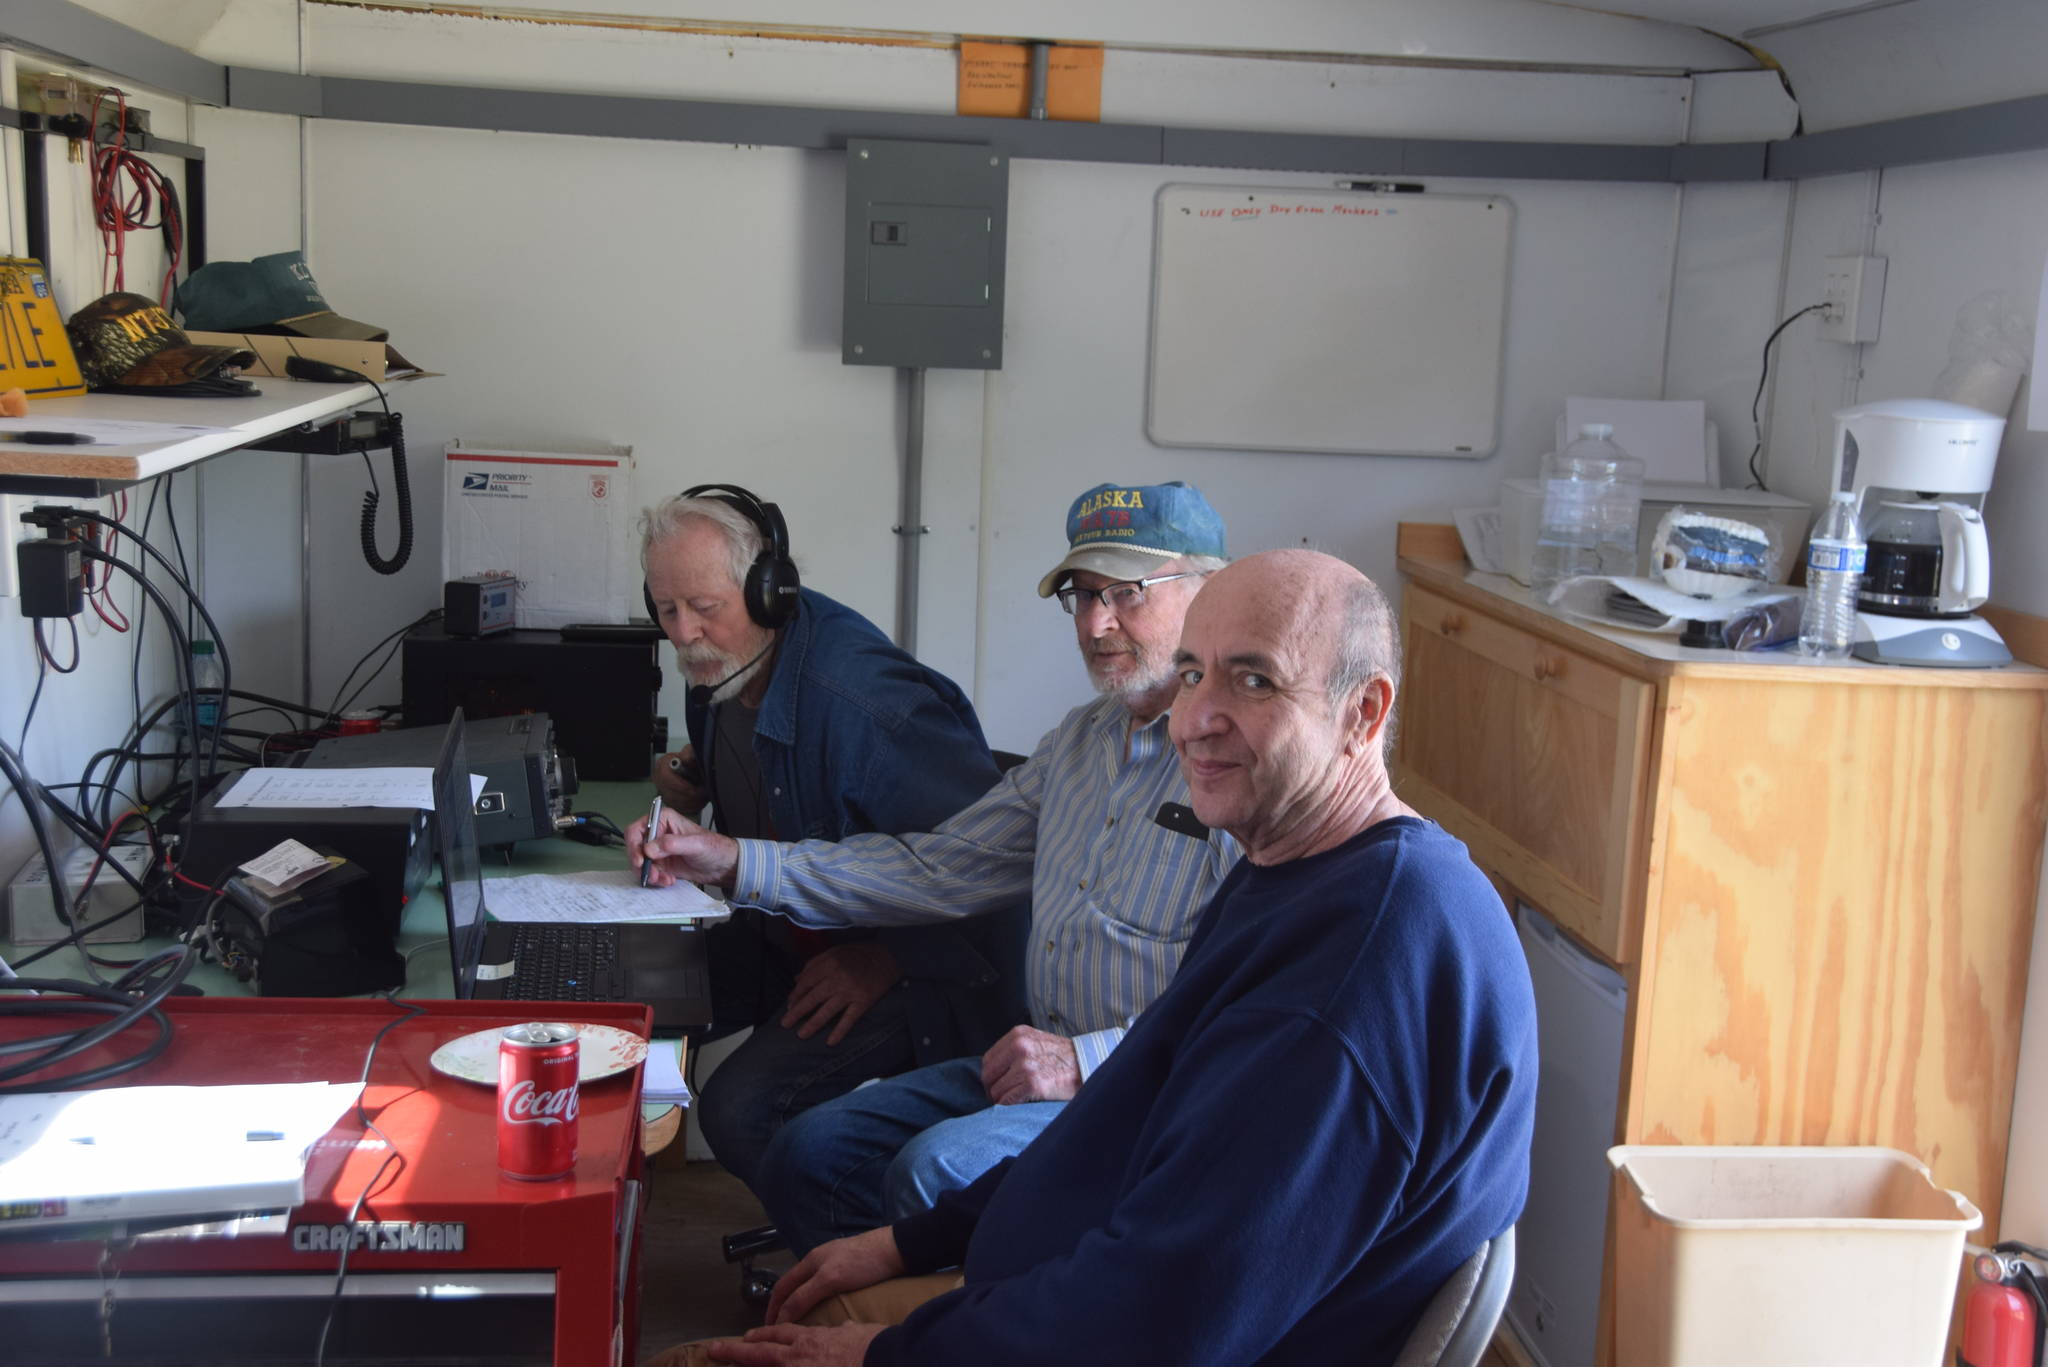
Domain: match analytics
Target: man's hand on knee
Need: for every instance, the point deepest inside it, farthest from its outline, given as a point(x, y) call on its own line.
point(843, 1265)
point(837, 987)
point(797, 1345)
point(1031, 1065)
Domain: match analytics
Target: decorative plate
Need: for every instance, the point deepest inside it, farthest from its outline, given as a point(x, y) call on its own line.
point(605, 1050)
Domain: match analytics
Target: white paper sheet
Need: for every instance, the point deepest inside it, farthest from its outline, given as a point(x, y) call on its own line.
point(2037, 389)
point(1668, 435)
point(1586, 598)
point(409, 786)
point(1480, 531)
point(597, 897)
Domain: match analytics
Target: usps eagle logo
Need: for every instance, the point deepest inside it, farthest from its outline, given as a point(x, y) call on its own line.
point(600, 485)
point(475, 482)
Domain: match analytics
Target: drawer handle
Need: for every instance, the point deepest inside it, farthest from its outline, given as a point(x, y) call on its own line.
point(1452, 623)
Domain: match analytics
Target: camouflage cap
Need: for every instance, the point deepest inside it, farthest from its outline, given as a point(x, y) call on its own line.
point(125, 339)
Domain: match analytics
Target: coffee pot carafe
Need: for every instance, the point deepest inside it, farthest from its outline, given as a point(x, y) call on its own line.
point(1927, 558)
point(1920, 470)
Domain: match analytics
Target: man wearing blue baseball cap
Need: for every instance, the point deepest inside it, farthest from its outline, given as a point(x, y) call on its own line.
point(1094, 829)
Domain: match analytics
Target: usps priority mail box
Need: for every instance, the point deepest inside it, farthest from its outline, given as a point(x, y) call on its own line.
point(561, 522)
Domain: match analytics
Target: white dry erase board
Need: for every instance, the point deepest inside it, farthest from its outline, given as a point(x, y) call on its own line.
point(1328, 320)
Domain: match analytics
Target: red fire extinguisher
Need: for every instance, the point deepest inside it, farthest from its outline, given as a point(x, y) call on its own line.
point(2005, 1318)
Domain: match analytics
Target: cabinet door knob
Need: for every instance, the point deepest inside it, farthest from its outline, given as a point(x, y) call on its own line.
point(1548, 667)
point(1452, 623)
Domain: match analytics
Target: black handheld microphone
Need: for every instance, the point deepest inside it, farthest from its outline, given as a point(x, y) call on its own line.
point(1182, 820)
point(700, 694)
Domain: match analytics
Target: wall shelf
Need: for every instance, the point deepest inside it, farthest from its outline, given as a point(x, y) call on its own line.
point(92, 471)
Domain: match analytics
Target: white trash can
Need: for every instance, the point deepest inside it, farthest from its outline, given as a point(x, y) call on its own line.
point(1795, 1257)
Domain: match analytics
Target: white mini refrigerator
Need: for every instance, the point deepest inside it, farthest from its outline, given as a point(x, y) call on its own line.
point(1581, 1005)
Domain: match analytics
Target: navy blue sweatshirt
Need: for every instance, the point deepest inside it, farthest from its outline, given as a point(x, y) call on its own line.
point(1327, 1111)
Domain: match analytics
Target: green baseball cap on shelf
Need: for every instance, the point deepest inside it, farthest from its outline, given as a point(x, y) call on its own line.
point(273, 294)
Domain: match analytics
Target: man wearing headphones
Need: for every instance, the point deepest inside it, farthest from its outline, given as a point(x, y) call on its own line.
point(1094, 829)
point(805, 722)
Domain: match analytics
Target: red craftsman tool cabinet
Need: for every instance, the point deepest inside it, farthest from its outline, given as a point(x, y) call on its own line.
point(448, 1261)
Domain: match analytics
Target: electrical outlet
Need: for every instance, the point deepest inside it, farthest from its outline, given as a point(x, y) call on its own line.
point(12, 506)
point(1852, 292)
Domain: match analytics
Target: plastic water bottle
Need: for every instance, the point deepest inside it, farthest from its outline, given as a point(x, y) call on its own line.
point(1834, 570)
point(206, 682)
point(1592, 498)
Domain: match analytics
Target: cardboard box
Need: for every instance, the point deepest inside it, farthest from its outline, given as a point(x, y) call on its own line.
point(378, 361)
point(32, 916)
point(561, 522)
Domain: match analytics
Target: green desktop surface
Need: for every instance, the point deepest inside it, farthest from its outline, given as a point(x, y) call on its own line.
point(423, 931)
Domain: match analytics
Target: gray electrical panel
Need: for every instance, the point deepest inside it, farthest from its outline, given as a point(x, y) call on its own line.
point(924, 254)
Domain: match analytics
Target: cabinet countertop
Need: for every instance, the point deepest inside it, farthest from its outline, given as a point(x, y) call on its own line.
point(1650, 655)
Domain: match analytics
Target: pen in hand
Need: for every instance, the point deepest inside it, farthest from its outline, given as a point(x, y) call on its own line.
point(653, 826)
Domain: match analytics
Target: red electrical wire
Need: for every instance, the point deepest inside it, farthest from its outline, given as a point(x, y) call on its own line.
point(129, 193)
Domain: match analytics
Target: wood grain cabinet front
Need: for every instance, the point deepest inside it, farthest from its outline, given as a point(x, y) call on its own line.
point(1819, 882)
point(1533, 754)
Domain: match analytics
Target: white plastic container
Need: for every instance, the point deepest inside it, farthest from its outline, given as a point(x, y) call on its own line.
point(1823, 1257)
point(1592, 496)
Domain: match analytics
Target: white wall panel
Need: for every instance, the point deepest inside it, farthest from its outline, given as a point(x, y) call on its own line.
point(1731, 238)
point(1585, 314)
point(679, 298)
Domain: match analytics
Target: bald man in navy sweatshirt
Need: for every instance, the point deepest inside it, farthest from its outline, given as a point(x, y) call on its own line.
point(1327, 1111)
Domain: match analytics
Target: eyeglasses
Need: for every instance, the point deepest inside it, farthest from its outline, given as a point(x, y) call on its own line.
point(1120, 597)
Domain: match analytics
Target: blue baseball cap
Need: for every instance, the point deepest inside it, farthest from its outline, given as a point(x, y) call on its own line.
point(1127, 531)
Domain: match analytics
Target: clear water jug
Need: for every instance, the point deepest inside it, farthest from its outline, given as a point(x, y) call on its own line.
point(1592, 498)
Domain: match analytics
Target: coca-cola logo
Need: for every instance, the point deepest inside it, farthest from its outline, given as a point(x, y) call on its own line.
point(524, 1104)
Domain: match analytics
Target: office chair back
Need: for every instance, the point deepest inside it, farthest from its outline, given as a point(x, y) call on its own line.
point(1458, 1323)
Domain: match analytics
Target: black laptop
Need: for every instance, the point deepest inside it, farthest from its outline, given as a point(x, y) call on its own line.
point(662, 965)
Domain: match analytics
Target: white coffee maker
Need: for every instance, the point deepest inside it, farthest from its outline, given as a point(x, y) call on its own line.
point(1920, 469)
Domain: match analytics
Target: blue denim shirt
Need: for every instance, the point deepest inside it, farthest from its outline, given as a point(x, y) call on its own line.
point(854, 735)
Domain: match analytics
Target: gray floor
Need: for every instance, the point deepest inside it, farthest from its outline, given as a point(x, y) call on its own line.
point(687, 1290)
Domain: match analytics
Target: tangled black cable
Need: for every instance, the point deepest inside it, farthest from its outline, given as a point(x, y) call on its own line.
point(112, 1000)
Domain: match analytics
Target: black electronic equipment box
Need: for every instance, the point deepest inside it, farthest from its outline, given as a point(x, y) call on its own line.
point(319, 939)
point(479, 604)
point(527, 781)
point(391, 845)
point(600, 694)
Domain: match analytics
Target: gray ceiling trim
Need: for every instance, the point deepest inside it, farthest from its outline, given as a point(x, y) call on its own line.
point(274, 92)
point(79, 36)
point(1982, 130)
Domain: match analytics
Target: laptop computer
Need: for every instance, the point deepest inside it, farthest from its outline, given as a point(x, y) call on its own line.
point(664, 966)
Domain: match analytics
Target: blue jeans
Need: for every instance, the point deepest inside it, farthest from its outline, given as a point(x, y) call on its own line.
point(885, 1151)
point(773, 1075)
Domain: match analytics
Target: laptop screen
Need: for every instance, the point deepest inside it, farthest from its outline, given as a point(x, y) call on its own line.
point(462, 879)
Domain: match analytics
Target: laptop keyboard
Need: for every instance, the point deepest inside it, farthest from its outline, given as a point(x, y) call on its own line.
point(558, 963)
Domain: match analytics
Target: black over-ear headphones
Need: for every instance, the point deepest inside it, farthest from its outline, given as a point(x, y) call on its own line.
point(771, 586)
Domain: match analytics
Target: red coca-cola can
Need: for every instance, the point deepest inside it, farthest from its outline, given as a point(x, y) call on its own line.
point(537, 1101)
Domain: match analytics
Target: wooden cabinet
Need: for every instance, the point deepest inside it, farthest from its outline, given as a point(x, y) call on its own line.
point(1818, 882)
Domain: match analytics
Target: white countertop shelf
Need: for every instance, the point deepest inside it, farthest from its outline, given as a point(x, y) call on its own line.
point(281, 406)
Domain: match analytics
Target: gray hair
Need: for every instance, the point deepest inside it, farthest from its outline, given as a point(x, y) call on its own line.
point(744, 542)
point(1202, 564)
point(1368, 644)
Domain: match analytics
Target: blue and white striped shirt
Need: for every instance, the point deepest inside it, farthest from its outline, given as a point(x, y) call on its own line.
point(1114, 896)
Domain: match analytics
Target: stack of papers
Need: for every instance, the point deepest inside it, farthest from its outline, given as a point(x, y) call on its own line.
point(661, 1077)
point(144, 1153)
